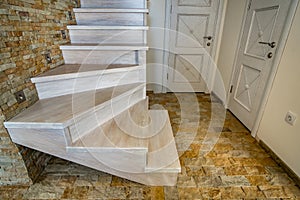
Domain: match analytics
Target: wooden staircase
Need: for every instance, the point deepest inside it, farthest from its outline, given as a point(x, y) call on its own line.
point(93, 110)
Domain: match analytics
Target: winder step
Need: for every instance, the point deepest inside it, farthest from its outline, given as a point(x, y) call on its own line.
point(78, 113)
point(70, 79)
point(156, 136)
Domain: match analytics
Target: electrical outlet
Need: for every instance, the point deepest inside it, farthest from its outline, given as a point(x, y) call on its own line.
point(290, 118)
point(20, 96)
point(48, 58)
point(63, 34)
point(70, 15)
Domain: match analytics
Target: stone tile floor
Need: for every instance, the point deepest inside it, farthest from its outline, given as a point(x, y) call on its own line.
point(218, 162)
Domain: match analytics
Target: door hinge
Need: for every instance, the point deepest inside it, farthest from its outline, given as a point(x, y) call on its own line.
point(167, 76)
point(249, 4)
point(231, 88)
point(171, 9)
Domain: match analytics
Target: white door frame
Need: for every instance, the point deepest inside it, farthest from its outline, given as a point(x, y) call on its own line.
point(217, 40)
point(277, 58)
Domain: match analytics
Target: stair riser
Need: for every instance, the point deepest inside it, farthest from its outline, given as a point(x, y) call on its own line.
point(87, 122)
point(113, 4)
point(53, 142)
point(108, 36)
point(107, 57)
point(110, 19)
point(56, 88)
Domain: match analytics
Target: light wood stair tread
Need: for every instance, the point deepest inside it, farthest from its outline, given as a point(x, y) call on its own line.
point(159, 146)
point(109, 135)
point(112, 47)
point(95, 27)
point(58, 112)
point(109, 10)
point(162, 152)
point(69, 71)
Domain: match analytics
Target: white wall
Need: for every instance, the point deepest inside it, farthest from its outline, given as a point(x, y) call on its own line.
point(282, 138)
point(156, 21)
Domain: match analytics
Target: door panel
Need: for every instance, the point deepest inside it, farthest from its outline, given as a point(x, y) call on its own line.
point(192, 21)
point(247, 86)
point(194, 26)
point(262, 28)
point(197, 3)
point(264, 24)
point(186, 67)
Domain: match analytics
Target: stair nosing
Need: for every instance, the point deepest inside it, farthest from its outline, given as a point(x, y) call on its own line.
point(110, 10)
point(105, 47)
point(79, 74)
point(95, 27)
point(96, 149)
point(38, 125)
point(68, 122)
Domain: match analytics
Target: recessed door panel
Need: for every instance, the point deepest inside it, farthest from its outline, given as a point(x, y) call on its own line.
point(185, 68)
point(197, 3)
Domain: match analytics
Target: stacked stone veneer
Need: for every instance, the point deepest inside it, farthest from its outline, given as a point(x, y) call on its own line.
point(29, 29)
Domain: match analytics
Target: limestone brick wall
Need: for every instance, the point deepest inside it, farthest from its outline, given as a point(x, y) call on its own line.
point(29, 30)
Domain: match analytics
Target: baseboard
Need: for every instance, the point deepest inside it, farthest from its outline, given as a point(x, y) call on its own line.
point(282, 164)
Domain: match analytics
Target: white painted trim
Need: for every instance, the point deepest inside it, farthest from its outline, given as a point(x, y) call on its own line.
point(166, 54)
point(277, 58)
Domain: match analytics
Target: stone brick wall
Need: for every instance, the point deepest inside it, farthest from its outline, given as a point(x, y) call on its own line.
point(29, 29)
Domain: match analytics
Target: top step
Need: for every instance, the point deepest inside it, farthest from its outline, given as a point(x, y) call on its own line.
point(113, 4)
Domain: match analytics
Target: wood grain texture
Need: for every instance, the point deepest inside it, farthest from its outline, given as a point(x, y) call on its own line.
point(59, 112)
point(105, 47)
point(45, 142)
point(88, 121)
point(70, 79)
point(94, 27)
point(109, 10)
point(79, 71)
point(113, 4)
point(111, 19)
point(107, 57)
point(112, 134)
point(107, 36)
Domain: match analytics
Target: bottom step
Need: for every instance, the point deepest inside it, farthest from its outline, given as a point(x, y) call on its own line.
point(150, 158)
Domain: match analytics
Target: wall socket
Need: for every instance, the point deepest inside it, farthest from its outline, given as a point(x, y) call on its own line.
point(290, 118)
point(20, 96)
point(63, 34)
point(48, 58)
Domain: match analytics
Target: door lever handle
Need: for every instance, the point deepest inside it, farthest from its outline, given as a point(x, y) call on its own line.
point(270, 44)
point(207, 37)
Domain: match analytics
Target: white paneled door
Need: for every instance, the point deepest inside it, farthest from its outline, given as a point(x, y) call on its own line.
point(192, 42)
point(263, 28)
